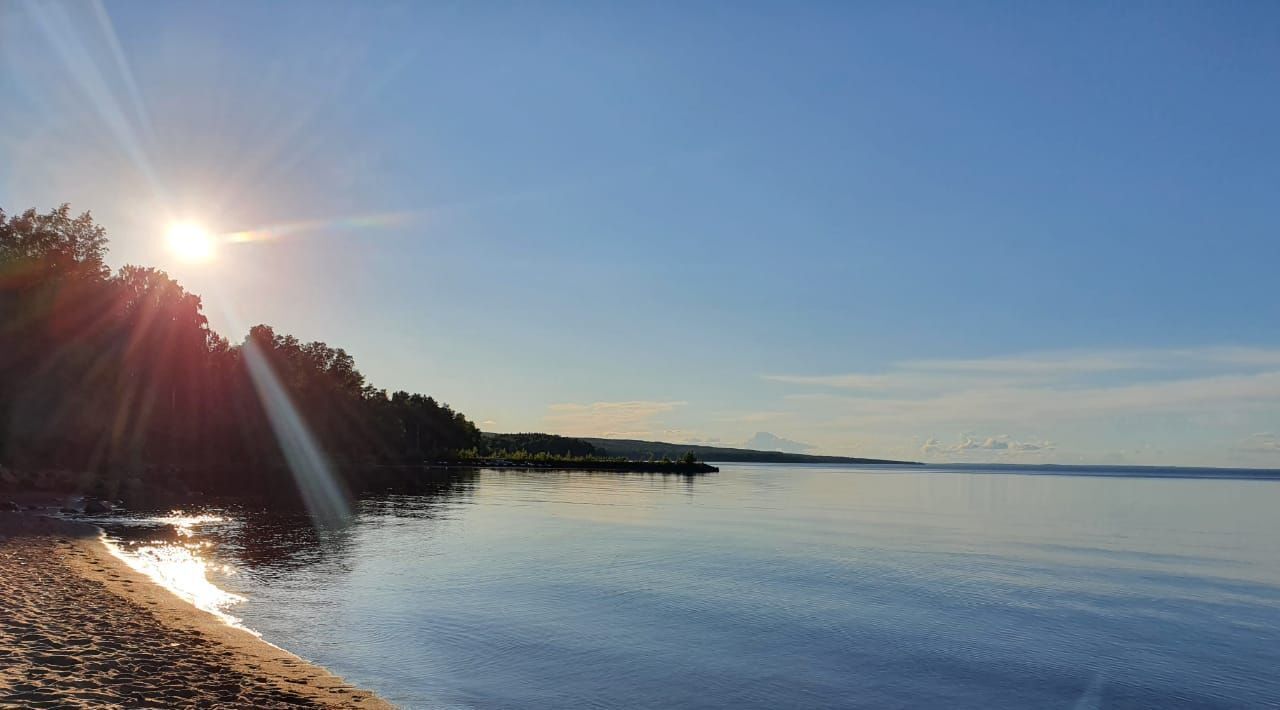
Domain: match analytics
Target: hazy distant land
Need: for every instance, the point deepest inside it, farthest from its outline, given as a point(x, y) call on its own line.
point(640, 450)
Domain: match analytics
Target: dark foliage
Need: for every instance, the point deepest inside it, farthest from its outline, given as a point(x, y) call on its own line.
point(119, 374)
point(531, 443)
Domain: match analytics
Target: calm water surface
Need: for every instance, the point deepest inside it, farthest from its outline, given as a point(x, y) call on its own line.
point(768, 586)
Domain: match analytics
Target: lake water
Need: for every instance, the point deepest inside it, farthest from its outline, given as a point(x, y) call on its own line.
point(768, 586)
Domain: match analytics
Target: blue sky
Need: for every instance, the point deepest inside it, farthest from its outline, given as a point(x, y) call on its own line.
point(992, 231)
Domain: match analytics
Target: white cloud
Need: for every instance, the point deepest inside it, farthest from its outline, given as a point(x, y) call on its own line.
point(1051, 387)
point(1261, 443)
point(1042, 365)
point(619, 420)
point(695, 441)
point(903, 381)
point(1040, 404)
point(1191, 404)
point(684, 436)
point(998, 445)
point(767, 441)
point(923, 374)
point(1045, 368)
point(755, 417)
point(1259, 357)
point(850, 381)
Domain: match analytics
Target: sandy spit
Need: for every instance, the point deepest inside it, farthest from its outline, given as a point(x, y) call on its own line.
point(80, 628)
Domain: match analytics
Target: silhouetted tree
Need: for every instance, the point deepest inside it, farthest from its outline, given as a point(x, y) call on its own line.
point(535, 443)
point(104, 372)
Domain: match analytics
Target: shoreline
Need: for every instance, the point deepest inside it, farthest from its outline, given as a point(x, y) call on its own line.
point(81, 626)
point(675, 468)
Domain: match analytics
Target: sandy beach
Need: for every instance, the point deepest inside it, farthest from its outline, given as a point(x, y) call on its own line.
point(79, 628)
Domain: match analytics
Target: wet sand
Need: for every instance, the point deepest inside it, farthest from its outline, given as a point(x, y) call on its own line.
point(79, 628)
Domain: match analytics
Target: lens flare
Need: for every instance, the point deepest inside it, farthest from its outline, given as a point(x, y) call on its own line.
point(335, 224)
point(322, 494)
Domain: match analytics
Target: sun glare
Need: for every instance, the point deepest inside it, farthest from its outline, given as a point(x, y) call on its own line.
point(190, 242)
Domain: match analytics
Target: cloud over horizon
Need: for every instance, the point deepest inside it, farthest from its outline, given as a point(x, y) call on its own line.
point(999, 444)
point(617, 420)
point(768, 441)
point(1262, 443)
point(1099, 395)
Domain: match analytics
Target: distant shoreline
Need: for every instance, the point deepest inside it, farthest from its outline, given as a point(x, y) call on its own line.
point(671, 467)
point(638, 449)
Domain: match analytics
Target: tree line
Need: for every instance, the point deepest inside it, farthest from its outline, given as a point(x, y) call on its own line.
point(535, 447)
point(119, 373)
point(509, 445)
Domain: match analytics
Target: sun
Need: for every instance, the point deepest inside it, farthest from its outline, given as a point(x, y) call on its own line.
point(190, 242)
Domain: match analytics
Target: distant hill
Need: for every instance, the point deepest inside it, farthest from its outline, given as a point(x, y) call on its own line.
point(641, 450)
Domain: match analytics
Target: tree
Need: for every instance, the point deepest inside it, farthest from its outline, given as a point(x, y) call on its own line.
point(121, 372)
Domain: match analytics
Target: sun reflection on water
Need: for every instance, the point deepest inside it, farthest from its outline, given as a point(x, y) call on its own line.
point(180, 567)
point(185, 525)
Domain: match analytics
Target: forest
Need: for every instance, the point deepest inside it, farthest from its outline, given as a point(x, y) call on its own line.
point(516, 445)
point(118, 374)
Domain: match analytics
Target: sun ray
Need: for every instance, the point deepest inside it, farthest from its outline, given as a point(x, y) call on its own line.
point(91, 77)
point(324, 496)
